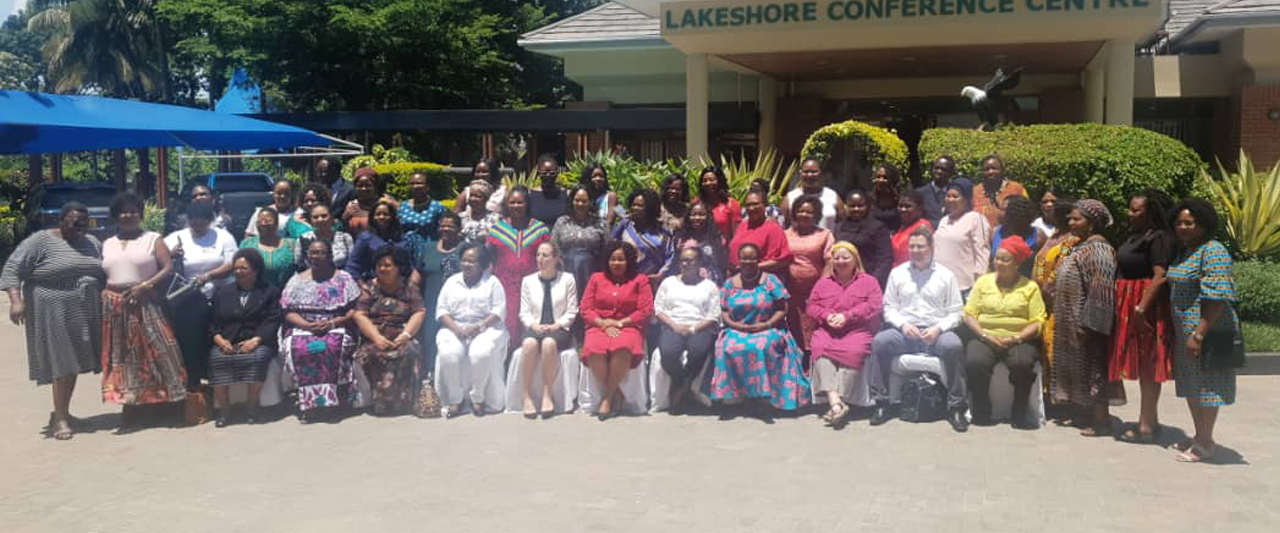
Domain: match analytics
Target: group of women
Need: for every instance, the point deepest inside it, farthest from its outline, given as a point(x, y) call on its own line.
point(365, 303)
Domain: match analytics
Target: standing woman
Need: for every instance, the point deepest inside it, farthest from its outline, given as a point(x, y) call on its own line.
point(278, 253)
point(472, 340)
point(1016, 220)
point(54, 280)
point(756, 358)
point(140, 356)
point(1140, 348)
point(655, 248)
point(990, 194)
point(868, 234)
point(246, 320)
point(311, 195)
point(477, 218)
point(911, 212)
point(437, 261)
point(489, 171)
point(368, 191)
point(1046, 224)
point(616, 307)
point(206, 254)
point(1045, 274)
point(548, 307)
point(846, 307)
point(384, 231)
point(596, 179)
point(963, 237)
point(713, 191)
point(317, 337)
point(675, 203)
point(810, 247)
point(765, 234)
point(323, 228)
point(579, 237)
point(514, 241)
point(700, 231)
point(389, 314)
point(811, 185)
point(1084, 309)
point(1202, 293)
point(885, 192)
point(687, 309)
point(282, 196)
point(420, 215)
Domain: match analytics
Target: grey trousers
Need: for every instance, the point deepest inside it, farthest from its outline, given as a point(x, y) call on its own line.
point(891, 344)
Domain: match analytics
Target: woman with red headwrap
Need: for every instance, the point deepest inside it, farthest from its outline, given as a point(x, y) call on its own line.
point(1005, 311)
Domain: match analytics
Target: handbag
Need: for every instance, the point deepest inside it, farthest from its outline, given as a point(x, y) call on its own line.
point(180, 288)
point(428, 403)
point(1222, 349)
point(923, 398)
point(196, 407)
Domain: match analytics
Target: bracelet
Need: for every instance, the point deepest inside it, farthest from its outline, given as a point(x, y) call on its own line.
point(1198, 337)
point(1138, 309)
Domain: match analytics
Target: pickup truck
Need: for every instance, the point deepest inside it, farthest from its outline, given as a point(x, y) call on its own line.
point(241, 193)
point(48, 199)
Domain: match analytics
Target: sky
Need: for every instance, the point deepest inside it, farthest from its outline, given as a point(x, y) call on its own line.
point(10, 7)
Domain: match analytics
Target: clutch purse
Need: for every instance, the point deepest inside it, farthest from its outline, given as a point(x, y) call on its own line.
point(1222, 349)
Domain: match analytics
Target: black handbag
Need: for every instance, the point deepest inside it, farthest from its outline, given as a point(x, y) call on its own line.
point(1222, 349)
point(923, 398)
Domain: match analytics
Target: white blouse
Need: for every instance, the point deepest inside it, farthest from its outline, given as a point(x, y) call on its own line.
point(564, 299)
point(830, 201)
point(203, 254)
point(686, 305)
point(470, 305)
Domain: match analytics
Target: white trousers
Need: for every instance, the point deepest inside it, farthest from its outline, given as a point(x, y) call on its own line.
point(473, 369)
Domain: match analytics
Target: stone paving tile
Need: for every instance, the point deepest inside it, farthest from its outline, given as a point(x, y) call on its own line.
point(643, 474)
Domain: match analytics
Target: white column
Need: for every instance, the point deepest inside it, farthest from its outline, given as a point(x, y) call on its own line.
point(695, 105)
point(768, 95)
point(1119, 81)
point(1094, 93)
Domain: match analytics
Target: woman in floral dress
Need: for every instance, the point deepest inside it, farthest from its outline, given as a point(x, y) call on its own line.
point(389, 313)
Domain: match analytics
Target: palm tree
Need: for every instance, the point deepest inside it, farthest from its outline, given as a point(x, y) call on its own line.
point(112, 47)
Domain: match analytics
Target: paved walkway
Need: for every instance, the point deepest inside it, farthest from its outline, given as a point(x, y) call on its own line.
point(644, 474)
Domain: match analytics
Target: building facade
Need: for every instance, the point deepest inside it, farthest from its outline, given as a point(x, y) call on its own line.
point(1202, 71)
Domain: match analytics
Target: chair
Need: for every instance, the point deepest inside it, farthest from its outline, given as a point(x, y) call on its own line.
point(1001, 392)
point(564, 392)
point(660, 382)
point(633, 389)
point(861, 392)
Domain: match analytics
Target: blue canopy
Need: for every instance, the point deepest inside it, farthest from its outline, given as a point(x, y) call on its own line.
point(35, 123)
point(242, 96)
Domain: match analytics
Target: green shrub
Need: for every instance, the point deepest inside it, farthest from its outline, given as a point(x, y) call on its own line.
point(378, 155)
point(1100, 161)
point(153, 218)
point(850, 149)
point(396, 178)
point(1258, 290)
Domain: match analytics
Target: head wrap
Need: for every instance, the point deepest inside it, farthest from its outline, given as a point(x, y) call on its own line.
point(846, 245)
point(1096, 212)
point(364, 171)
point(1017, 248)
point(964, 186)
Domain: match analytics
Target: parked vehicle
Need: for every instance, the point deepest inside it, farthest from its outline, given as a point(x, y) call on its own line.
point(240, 193)
point(48, 199)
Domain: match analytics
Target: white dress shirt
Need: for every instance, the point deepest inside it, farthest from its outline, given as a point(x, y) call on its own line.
point(564, 299)
point(470, 305)
point(203, 254)
point(830, 201)
point(688, 305)
point(923, 298)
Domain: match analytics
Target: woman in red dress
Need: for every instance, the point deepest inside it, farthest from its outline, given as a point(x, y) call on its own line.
point(713, 190)
point(911, 210)
point(514, 240)
point(616, 307)
point(767, 235)
point(810, 246)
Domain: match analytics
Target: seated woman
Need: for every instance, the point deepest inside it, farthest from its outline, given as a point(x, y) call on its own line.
point(756, 357)
point(1005, 310)
point(246, 316)
point(616, 307)
point(316, 339)
point(472, 342)
point(384, 230)
point(279, 254)
point(687, 308)
point(389, 314)
point(846, 307)
point(548, 307)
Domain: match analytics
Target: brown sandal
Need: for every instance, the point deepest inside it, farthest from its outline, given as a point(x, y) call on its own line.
point(60, 429)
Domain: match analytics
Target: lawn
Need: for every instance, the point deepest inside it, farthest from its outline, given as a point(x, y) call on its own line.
point(1261, 337)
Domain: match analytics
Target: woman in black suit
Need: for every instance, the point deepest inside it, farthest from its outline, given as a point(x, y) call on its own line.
point(246, 317)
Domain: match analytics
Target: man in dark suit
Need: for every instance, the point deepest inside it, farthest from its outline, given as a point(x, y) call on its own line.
point(942, 172)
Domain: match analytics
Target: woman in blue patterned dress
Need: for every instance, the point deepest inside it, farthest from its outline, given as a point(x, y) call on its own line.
point(756, 357)
point(1202, 292)
point(643, 230)
point(420, 215)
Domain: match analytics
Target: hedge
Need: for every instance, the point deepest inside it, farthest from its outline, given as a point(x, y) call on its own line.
point(879, 144)
point(396, 178)
point(1258, 291)
point(1100, 161)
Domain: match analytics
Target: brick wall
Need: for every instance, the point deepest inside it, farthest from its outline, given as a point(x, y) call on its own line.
point(1259, 135)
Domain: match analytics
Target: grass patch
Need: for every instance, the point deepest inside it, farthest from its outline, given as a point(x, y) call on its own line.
point(1261, 337)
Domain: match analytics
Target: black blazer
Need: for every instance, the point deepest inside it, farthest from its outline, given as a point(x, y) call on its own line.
point(259, 317)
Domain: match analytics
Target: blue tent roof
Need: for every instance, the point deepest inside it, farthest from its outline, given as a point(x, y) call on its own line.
point(242, 97)
point(34, 123)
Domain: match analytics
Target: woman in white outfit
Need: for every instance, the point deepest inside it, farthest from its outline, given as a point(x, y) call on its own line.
point(548, 307)
point(472, 340)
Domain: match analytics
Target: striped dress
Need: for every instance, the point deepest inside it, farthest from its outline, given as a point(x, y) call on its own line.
point(1085, 292)
point(61, 286)
point(1204, 274)
point(513, 259)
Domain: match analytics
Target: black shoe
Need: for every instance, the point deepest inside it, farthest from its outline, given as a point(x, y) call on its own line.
point(221, 421)
point(958, 421)
point(983, 420)
point(251, 416)
point(881, 414)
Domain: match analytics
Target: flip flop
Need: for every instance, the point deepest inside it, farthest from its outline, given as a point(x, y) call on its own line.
point(1196, 454)
point(1182, 446)
point(61, 430)
point(840, 416)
